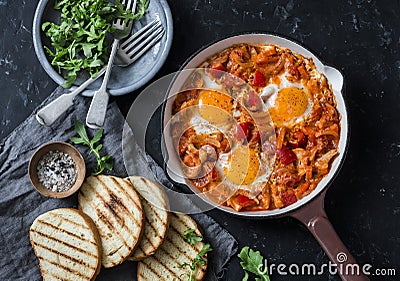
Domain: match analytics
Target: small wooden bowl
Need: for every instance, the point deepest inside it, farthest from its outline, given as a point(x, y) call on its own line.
point(66, 148)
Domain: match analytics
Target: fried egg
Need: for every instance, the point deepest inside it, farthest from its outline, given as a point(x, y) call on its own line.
point(242, 167)
point(288, 103)
point(215, 107)
point(211, 113)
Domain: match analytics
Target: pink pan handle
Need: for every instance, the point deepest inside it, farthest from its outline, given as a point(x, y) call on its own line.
point(313, 216)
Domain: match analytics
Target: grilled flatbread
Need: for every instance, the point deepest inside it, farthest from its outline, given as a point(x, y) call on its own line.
point(156, 217)
point(175, 251)
point(116, 210)
point(67, 245)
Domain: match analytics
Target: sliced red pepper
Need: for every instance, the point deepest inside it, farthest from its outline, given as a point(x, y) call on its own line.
point(286, 155)
point(243, 130)
point(288, 198)
point(217, 70)
point(259, 79)
point(298, 140)
point(244, 201)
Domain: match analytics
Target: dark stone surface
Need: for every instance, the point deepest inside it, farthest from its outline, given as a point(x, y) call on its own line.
point(361, 38)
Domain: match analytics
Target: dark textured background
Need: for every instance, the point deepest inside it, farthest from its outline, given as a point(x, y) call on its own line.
point(361, 38)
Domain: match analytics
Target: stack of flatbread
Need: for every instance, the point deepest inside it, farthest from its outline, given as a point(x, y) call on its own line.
point(118, 219)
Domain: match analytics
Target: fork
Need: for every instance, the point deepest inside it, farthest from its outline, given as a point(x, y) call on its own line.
point(98, 107)
point(128, 53)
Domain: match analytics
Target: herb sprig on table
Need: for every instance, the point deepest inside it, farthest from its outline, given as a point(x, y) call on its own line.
point(192, 238)
point(103, 162)
point(253, 262)
point(79, 41)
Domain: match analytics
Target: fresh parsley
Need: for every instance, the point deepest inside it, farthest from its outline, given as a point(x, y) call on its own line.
point(253, 262)
point(79, 42)
point(103, 162)
point(191, 238)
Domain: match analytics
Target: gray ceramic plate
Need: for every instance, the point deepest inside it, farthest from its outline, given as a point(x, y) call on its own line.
point(123, 80)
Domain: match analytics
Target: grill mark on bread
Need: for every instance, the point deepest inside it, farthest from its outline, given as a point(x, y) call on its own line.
point(149, 240)
point(140, 250)
point(156, 216)
point(150, 186)
point(106, 222)
point(115, 199)
point(119, 215)
point(64, 243)
point(64, 255)
point(99, 213)
point(154, 211)
point(151, 270)
point(172, 259)
point(178, 248)
point(109, 204)
point(53, 274)
point(121, 188)
point(152, 227)
point(173, 252)
point(65, 231)
point(55, 247)
point(164, 265)
point(143, 180)
point(134, 201)
point(75, 272)
point(112, 206)
point(110, 226)
point(196, 246)
point(182, 222)
point(68, 220)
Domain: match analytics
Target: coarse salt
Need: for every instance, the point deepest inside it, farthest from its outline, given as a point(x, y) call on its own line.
point(57, 171)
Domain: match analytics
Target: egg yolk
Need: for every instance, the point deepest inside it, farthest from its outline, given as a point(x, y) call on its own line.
point(290, 103)
point(244, 166)
point(215, 107)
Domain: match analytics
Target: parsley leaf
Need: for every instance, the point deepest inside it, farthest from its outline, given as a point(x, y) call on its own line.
point(253, 261)
point(79, 41)
point(103, 162)
point(191, 237)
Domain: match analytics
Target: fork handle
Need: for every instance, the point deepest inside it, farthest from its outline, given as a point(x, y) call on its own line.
point(98, 107)
point(51, 112)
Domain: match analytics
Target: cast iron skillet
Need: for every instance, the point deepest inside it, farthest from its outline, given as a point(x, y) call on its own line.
point(309, 210)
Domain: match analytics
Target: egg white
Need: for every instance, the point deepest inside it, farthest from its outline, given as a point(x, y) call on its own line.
point(254, 188)
point(269, 95)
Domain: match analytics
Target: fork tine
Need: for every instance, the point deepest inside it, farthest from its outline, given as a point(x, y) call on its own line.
point(146, 44)
point(138, 33)
point(131, 5)
point(128, 5)
point(143, 41)
point(144, 38)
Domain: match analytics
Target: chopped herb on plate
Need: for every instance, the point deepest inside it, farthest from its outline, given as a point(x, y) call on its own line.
point(79, 42)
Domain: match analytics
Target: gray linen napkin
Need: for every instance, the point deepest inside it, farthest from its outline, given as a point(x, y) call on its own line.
point(20, 204)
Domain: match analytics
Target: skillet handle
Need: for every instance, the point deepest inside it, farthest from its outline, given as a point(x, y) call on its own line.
point(313, 216)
